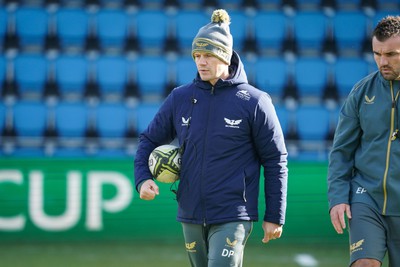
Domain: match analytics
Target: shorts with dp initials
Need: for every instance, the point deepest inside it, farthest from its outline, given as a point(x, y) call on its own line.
point(373, 234)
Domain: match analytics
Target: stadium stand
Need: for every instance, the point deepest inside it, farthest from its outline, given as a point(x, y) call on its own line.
point(95, 72)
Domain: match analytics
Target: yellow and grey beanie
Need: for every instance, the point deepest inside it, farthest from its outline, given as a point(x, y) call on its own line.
point(215, 37)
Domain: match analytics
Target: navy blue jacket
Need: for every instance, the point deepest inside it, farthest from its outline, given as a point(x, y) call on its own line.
point(230, 130)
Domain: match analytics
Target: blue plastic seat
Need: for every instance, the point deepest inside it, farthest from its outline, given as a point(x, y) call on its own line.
point(71, 120)
point(283, 116)
point(392, 6)
point(72, 27)
point(186, 70)
point(188, 23)
point(152, 28)
point(151, 74)
point(239, 28)
point(348, 71)
point(270, 29)
point(271, 75)
point(312, 122)
point(112, 28)
point(3, 25)
point(2, 116)
point(112, 74)
point(70, 152)
point(112, 120)
point(145, 113)
point(349, 30)
point(31, 26)
point(71, 74)
point(311, 76)
point(30, 119)
point(348, 4)
point(3, 67)
point(310, 30)
point(308, 4)
point(30, 73)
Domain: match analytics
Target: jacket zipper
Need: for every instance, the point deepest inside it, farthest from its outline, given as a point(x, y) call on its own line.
point(202, 176)
point(392, 137)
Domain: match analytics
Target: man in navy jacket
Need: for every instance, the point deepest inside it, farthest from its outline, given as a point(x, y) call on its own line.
point(227, 130)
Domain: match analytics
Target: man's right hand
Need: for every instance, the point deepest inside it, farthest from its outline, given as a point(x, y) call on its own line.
point(337, 216)
point(149, 190)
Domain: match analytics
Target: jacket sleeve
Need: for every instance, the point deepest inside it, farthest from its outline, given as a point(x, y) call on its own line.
point(341, 158)
point(270, 145)
point(160, 131)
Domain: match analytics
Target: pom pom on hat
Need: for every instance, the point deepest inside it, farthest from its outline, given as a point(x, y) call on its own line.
point(215, 37)
point(220, 15)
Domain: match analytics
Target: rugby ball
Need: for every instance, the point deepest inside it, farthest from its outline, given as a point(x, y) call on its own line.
point(165, 163)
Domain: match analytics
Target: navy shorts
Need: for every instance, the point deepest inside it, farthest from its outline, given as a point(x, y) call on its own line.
point(373, 234)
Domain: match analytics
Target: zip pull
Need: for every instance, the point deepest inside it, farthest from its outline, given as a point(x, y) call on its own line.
point(394, 135)
point(212, 90)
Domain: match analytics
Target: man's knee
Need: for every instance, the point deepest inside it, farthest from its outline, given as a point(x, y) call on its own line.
point(366, 263)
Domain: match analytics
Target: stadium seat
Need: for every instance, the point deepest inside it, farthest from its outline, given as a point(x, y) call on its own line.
point(392, 6)
point(112, 28)
point(28, 152)
point(113, 153)
point(348, 71)
point(348, 4)
point(239, 28)
point(111, 120)
point(72, 27)
point(2, 116)
point(270, 29)
point(71, 75)
point(151, 74)
point(349, 31)
point(310, 30)
point(3, 67)
point(30, 120)
point(186, 70)
point(312, 122)
point(30, 74)
point(283, 116)
point(31, 26)
point(112, 75)
point(308, 4)
point(70, 152)
point(71, 122)
point(311, 76)
point(188, 23)
point(152, 28)
point(145, 113)
point(269, 4)
point(3, 25)
point(271, 75)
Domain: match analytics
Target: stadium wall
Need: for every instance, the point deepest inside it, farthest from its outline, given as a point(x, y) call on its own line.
point(95, 199)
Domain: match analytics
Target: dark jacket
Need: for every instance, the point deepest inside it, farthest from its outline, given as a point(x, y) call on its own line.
point(229, 131)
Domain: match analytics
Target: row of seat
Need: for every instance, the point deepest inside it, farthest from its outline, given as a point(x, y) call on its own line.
point(152, 28)
point(29, 124)
point(150, 76)
point(237, 4)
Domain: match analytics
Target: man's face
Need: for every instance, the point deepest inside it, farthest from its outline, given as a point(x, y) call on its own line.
point(387, 57)
point(210, 68)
